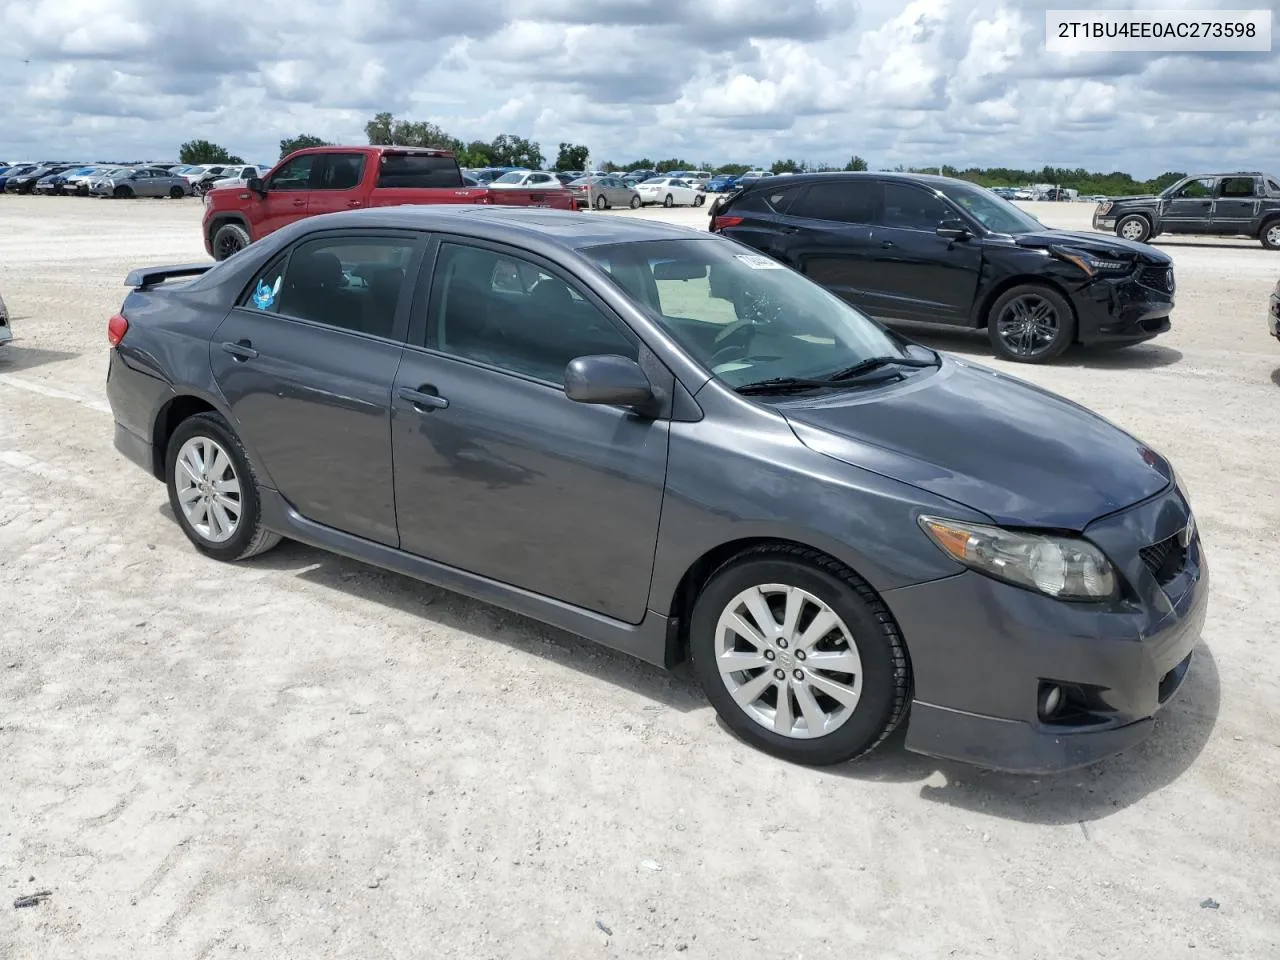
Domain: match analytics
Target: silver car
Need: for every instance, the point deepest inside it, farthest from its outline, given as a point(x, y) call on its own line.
point(124, 183)
point(603, 193)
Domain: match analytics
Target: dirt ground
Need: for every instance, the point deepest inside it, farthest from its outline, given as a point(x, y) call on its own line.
point(305, 757)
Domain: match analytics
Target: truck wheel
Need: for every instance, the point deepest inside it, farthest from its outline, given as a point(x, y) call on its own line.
point(602, 203)
point(1270, 235)
point(229, 240)
point(123, 193)
point(1134, 227)
point(1030, 323)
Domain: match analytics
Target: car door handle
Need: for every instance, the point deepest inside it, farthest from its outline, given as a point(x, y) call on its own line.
point(353, 203)
point(887, 244)
point(424, 399)
point(785, 229)
point(241, 350)
point(300, 203)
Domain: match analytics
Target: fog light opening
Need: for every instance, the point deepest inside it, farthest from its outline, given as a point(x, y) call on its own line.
point(1051, 700)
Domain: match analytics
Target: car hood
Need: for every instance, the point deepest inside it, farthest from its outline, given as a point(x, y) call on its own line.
point(1019, 454)
point(1099, 244)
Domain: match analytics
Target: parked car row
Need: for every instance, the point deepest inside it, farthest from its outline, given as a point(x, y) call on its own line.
point(122, 181)
point(599, 190)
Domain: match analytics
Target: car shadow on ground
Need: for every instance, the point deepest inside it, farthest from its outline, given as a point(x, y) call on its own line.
point(1275, 376)
point(14, 357)
point(973, 344)
point(1081, 796)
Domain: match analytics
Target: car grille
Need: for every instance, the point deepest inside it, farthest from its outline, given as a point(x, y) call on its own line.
point(1157, 278)
point(1165, 559)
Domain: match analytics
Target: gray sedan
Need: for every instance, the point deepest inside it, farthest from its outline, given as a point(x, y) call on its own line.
point(603, 193)
point(671, 444)
point(125, 183)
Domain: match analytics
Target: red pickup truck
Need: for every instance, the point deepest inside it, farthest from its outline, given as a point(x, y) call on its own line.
point(329, 179)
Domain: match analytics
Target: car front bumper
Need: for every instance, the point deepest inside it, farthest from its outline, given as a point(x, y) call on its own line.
point(1104, 223)
point(1121, 310)
point(981, 650)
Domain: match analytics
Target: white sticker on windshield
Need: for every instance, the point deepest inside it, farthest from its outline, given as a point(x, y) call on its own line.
point(757, 262)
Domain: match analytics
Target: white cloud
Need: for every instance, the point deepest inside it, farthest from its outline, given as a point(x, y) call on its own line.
point(934, 81)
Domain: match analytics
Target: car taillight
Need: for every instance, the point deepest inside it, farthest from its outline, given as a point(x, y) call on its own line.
point(117, 327)
point(719, 223)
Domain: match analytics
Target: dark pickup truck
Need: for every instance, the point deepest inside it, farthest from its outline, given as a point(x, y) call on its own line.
point(320, 180)
point(1218, 204)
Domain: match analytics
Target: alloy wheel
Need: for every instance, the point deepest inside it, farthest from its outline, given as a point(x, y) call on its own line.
point(1028, 325)
point(788, 660)
point(1132, 230)
point(208, 489)
point(1273, 236)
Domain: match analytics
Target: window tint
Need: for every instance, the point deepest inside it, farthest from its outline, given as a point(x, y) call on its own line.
point(1273, 186)
point(847, 202)
point(777, 200)
point(294, 175)
point(353, 283)
point(911, 207)
point(1196, 189)
point(418, 170)
point(342, 171)
point(509, 313)
point(1236, 187)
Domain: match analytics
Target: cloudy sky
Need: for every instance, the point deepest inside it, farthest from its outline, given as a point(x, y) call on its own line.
point(748, 81)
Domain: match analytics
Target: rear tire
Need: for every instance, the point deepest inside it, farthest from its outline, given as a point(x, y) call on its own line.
point(1030, 323)
point(229, 239)
point(669, 201)
point(700, 199)
point(853, 702)
point(635, 203)
point(1270, 235)
point(1134, 227)
point(224, 493)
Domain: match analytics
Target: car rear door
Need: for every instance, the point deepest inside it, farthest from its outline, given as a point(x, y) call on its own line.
point(306, 360)
point(496, 470)
point(1236, 205)
point(1190, 208)
point(917, 274)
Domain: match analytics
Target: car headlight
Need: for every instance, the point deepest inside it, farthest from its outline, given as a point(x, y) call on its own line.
point(1090, 263)
point(1067, 568)
point(1105, 207)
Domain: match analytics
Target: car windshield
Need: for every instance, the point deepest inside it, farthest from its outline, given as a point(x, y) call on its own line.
point(510, 178)
point(656, 180)
point(995, 213)
point(743, 316)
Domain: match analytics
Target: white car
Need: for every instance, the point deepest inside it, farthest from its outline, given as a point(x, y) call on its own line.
point(670, 192)
point(536, 179)
point(238, 175)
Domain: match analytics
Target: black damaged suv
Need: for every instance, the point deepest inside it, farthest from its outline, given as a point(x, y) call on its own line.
point(935, 249)
point(1217, 204)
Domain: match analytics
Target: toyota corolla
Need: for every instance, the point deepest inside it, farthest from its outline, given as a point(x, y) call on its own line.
point(663, 441)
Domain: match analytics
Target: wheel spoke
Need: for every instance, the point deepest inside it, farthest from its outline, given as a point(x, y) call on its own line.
point(815, 720)
point(190, 464)
point(227, 504)
point(837, 661)
point(217, 522)
point(749, 692)
point(783, 718)
point(836, 691)
point(760, 612)
point(219, 465)
point(187, 494)
point(227, 486)
point(791, 614)
point(821, 625)
point(735, 661)
point(745, 630)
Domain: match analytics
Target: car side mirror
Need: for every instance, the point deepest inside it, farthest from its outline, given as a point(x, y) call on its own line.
point(953, 229)
point(257, 186)
point(607, 379)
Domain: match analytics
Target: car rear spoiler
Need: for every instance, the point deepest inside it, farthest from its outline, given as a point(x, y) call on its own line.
point(150, 276)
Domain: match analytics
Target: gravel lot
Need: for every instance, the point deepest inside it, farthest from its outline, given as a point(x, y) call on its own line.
point(305, 757)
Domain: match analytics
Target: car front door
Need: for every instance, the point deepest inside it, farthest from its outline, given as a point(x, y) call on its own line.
point(1236, 205)
point(1189, 209)
point(288, 192)
point(497, 472)
point(306, 360)
point(919, 275)
point(336, 184)
point(825, 233)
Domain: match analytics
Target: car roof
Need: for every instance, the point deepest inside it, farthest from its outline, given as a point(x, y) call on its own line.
point(558, 227)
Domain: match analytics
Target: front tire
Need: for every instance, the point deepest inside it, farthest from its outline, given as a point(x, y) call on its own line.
point(700, 199)
point(635, 203)
point(1030, 323)
point(1134, 227)
point(799, 656)
point(669, 201)
point(213, 491)
point(229, 239)
point(123, 193)
point(1270, 235)
point(176, 193)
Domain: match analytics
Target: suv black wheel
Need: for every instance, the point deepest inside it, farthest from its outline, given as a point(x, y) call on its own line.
point(1134, 227)
point(213, 490)
point(1030, 323)
point(799, 656)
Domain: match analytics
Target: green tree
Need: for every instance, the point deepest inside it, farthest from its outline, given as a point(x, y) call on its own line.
point(202, 151)
point(385, 130)
point(732, 169)
point(378, 130)
point(856, 163)
point(476, 155)
point(785, 166)
point(300, 142)
point(664, 166)
point(572, 156)
point(510, 150)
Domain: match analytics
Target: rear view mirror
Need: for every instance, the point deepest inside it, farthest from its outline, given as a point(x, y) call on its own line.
point(609, 380)
point(720, 282)
point(953, 229)
point(679, 270)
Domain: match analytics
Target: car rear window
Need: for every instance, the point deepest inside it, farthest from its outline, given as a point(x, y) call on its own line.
point(853, 201)
point(418, 171)
point(773, 200)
